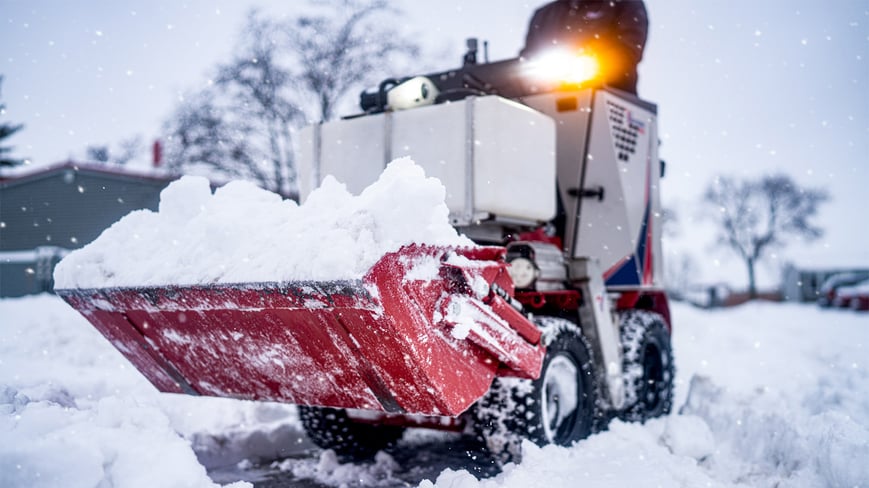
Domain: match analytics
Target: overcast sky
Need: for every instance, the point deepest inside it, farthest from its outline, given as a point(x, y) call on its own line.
point(743, 87)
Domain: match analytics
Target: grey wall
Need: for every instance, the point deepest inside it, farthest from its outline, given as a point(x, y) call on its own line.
point(57, 210)
point(804, 285)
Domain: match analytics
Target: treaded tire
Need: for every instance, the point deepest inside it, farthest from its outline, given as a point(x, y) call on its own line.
point(516, 409)
point(647, 365)
point(331, 428)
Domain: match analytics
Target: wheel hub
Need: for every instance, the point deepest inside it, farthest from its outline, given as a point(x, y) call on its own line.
point(560, 398)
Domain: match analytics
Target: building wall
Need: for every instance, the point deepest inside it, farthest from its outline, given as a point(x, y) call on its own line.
point(28, 272)
point(804, 285)
point(48, 213)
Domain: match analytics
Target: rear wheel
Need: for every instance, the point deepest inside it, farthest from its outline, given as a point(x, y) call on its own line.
point(332, 428)
point(648, 365)
point(560, 407)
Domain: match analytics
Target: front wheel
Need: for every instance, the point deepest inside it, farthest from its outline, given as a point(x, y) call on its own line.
point(647, 365)
point(332, 428)
point(560, 407)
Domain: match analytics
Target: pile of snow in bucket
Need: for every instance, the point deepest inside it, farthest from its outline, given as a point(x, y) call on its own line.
point(240, 233)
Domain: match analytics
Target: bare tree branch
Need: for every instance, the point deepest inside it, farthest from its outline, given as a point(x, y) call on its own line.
point(755, 217)
point(243, 125)
point(344, 48)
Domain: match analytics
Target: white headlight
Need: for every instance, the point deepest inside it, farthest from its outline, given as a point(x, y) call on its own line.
point(414, 92)
point(523, 272)
point(562, 66)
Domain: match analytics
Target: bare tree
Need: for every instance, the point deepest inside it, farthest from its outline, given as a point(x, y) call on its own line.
point(126, 150)
point(669, 221)
point(202, 134)
point(97, 153)
point(242, 125)
point(680, 269)
point(756, 216)
point(680, 274)
point(6, 131)
point(343, 48)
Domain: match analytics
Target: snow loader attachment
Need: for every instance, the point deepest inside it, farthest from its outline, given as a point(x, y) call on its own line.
point(540, 156)
point(425, 331)
point(557, 184)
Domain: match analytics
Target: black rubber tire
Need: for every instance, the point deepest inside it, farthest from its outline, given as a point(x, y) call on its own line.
point(331, 428)
point(516, 409)
point(647, 365)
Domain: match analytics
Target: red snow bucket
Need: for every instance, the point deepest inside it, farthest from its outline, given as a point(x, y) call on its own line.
point(424, 332)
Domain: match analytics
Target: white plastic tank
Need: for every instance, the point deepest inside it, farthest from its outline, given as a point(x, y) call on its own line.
point(495, 157)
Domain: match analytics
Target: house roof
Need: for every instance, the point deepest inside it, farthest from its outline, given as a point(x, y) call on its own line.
point(17, 177)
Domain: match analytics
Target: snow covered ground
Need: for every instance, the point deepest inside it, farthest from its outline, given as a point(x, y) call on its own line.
point(767, 395)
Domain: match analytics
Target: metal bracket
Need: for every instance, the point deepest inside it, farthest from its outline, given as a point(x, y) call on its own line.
point(599, 325)
point(593, 192)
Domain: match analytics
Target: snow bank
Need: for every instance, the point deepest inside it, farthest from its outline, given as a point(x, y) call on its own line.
point(75, 413)
point(240, 233)
point(626, 455)
point(765, 440)
point(768, 395)
point(54, 441)
point(783, 390)
point(771, 395)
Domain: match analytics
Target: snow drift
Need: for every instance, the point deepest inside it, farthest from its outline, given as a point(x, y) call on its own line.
point(767, 395)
